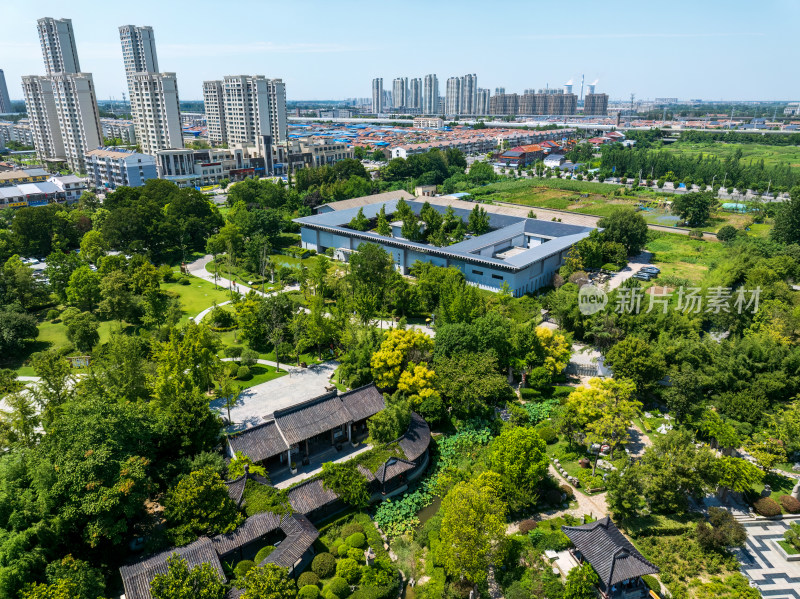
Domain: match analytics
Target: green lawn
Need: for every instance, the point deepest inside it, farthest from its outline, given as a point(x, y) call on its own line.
point(260, 373)
point(789, 548)
point(683, 257)
point(196, 297)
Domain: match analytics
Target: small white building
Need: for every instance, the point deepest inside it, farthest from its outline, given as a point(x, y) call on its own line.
point(71, 186)
point(554, 160)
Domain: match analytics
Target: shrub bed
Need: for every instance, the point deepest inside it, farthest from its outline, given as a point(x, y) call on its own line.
point(790, 504)
point(767, 506)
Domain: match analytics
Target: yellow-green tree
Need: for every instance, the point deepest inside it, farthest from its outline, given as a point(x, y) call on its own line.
point(473, 528)
point(399, 347)
point(605, 409)
point(556, 349)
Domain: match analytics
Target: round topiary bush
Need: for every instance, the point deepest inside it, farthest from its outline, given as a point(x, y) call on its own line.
point(263, 553)
point(527, 525)
point(243, 567)
point(567, 490)
point(309, 591)
point(52, 314)
point(324, 565)
point(548, 435)
point(349, 570)
point(357, 555)
point(184, 281)
point(352, 528)
point(307, 578)
point(343, 549)
point(243, 372)
point(338, 587)
point(767, 506)
point(357, 540)
point(790, 504)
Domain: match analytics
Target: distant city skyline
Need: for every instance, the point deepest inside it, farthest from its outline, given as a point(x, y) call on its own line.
point(692, 50)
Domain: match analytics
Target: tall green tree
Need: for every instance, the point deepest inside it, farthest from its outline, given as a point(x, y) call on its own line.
point(83, 290)
point(269, 582)
point(182, 582)
point(635, 359)
point(200, 505)
point(473, 527)
point(518, 456)
point(626, 226)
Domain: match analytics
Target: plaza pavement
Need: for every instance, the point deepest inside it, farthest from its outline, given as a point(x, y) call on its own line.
point(774, 577)
point(255, 404)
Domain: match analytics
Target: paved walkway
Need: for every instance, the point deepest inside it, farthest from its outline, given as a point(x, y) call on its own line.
point(198, 269)
point(284, 479)
point(255, 404)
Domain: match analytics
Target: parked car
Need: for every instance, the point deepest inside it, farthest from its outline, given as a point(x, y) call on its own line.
point(653, 269)
point(643, 276)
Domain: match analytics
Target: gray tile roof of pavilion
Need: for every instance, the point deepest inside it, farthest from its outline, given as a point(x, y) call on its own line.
point(259, 442)
point(300, 536)
point(251, 530)
point(137, 577)
point(392, 468)
point(417, 438)
point(309, 496)
point(305, 420)
point(236, 488)
point(363, 402)
point(612, 556)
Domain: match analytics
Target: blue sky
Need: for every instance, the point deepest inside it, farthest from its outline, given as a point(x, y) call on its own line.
point(710, 49)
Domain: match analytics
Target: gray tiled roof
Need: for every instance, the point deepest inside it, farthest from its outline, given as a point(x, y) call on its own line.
point(259, 442)
point(309, 496)
point(137, 577)
point(612, 556)
point(363, 402)
point(236, 488)
point(369, 200)
point(392, 468)
point(253, 529)
point(300, 536)
point(417, 438)
point(312, 417)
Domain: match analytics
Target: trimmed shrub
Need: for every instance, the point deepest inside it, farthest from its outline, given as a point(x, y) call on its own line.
point(552, 497)
point(567, 490)
point(548, 435)
point(309, 591)
point(343, 549)
point(351, 529)
point(307, 578)
point(349, 570)
point(242, 372)
point(324, 565)
point(338, 587)
point(243, 567)
point(233, 351)
point(356, 540)
point(52, 314)
point(652, 583)
point(790, 504)
point(249, 357)
point(263, 553)
point(184, 281)
point(357, 555)
point(527, 525)
point(529, 394)
point(767, 506)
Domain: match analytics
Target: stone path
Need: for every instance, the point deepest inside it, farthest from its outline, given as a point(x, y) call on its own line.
point(594, 506)
point(637, 442)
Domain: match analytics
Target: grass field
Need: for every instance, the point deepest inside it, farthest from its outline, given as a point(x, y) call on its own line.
point(196, 297)
point(771, 155)
point(683, 257)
